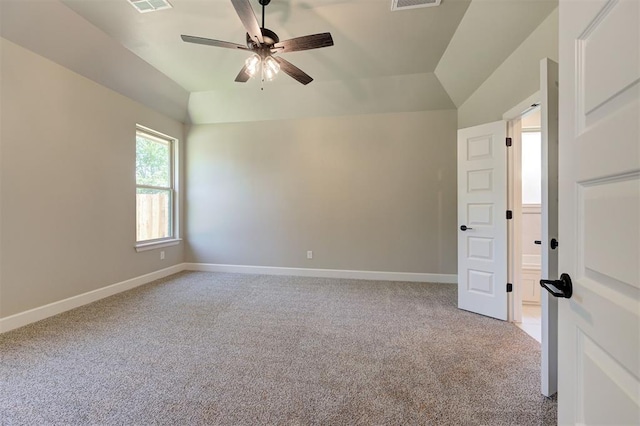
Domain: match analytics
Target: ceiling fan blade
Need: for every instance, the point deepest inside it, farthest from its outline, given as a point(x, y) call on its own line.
point(293, 71)
point(249, 20)
point(314, 41)
point(211, 42)
point(243, 75)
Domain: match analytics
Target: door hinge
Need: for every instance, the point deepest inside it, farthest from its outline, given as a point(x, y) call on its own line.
point(509, 287)
point(509, 141)
point(509, 214)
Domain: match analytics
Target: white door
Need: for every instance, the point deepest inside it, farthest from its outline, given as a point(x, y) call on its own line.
point(599, 187)
point(482, 232)
point(549, 267)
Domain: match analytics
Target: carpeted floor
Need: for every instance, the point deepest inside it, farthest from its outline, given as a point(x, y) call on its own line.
point(225, 349)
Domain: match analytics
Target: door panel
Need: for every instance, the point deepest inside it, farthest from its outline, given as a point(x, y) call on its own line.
point(615, 24)
point(482, 256)
point(599, 327)
point(608, 211)
point(607, 380)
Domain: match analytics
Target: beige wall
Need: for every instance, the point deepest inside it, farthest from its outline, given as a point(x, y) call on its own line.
point(517, 78)
point(371, 192)
point(68, 191)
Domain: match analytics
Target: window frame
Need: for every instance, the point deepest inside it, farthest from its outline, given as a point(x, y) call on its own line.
point(173, 238)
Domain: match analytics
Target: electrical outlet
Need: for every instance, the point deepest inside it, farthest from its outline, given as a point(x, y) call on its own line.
point(162, 255)
point(309, 254)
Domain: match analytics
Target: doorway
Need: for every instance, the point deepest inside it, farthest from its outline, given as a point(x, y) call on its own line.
point(488, 240)
point(529, 207)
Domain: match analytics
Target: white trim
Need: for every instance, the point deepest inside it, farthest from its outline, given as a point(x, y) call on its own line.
point(42, 312)
point(158, 244)
point(514, 226)
point(174, 189)
point(55, 308)
point(514, 118)
point(325, 273)
point(159, 135)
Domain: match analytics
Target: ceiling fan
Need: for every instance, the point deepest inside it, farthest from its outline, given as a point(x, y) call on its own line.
point(265, 44)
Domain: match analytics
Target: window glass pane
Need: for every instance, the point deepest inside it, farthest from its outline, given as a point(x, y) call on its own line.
point(153, 162)
point(153, 211)
point(531, 168)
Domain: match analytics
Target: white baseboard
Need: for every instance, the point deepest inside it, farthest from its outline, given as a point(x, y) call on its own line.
point(325, 273)
point(27, 317)
point(55, 308)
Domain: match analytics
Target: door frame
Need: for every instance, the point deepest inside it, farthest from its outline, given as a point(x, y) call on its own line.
point(549, 321)
point(513, 119)
point(514, 192)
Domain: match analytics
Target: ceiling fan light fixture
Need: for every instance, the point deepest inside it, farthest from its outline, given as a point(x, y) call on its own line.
point(253, 65)
point(271, 68)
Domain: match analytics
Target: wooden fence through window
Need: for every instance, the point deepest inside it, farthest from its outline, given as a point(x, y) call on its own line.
point(152, 211)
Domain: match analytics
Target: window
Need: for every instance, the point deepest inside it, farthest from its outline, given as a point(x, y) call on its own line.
point(155, 192)
point(531, 167)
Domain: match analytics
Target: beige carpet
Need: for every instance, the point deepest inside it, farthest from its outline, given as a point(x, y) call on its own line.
point(224, 349)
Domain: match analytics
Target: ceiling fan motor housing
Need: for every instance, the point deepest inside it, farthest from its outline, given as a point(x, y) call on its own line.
point(270, 38)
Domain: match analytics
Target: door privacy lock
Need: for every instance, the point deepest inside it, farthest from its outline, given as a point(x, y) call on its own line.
point(559, 288)
point(553, 243)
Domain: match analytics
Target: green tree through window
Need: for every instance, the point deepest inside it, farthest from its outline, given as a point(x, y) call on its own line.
point(153, 162)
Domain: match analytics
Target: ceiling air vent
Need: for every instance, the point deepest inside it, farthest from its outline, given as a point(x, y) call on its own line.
point(412, 4)
point(144, 6)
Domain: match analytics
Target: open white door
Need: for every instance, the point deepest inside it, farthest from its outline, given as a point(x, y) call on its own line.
point(599, 188)
point(482, 205)
point(549, 266)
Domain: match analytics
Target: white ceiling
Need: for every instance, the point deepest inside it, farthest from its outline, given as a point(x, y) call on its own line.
point(370, 40)
point(382, 61)
point(486, 36)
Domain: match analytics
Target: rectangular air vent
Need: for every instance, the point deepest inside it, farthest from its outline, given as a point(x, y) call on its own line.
point(144, 6)
point(412, 4)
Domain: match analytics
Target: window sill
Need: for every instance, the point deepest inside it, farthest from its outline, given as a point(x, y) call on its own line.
point(157, 244)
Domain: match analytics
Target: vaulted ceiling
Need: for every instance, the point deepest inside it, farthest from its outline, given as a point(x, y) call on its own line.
point(382, 61)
